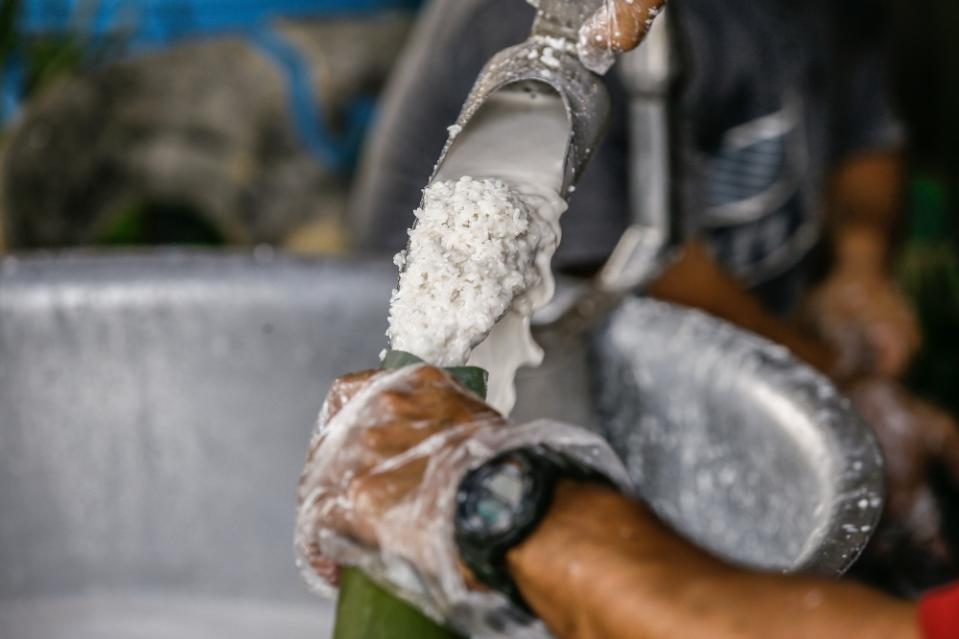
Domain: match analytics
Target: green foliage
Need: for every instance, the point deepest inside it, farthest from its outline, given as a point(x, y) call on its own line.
point(929, 273)
point(156, 222)
point(49, 57)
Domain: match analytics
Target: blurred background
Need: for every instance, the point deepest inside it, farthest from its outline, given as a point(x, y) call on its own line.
point(240, 122)
point(211, 122)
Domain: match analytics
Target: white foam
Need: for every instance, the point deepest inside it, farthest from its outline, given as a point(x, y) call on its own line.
point(478, 263)
point(471, 253)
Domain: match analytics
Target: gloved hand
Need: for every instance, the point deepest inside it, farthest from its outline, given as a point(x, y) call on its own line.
point(618, 26)
point(867, 321)
point(379, 488)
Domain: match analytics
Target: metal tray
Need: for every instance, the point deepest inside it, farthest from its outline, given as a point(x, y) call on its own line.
point(740, 447)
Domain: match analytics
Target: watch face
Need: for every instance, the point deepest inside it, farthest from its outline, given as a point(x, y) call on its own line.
point(498, 505)
point(497, 497)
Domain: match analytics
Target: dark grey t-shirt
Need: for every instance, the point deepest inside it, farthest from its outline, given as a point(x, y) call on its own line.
point(776, 93)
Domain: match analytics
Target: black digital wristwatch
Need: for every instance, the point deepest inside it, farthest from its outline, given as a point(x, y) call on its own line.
point(502, 502)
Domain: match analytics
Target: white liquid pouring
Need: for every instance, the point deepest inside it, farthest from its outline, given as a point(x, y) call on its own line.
point(519, 138)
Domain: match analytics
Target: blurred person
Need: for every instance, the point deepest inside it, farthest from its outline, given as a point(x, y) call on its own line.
point(411, 469)
point(791, 174)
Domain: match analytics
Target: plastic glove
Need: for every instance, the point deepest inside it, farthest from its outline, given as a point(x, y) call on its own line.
point(380, 484)
point(618, 26)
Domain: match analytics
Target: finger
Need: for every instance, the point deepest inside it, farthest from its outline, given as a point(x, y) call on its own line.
point(325, 568)
point(394, 438)
point(343, 390)
point(426, 401)
point(371, 496)
point(427, 405)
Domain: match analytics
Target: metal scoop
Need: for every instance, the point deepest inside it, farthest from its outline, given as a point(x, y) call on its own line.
point(546, 63)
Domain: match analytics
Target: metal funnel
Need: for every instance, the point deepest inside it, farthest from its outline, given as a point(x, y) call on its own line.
point(547, 63)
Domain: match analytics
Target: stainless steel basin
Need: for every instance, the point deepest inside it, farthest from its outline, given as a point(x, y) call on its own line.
point(154, 416)
point(155, 409)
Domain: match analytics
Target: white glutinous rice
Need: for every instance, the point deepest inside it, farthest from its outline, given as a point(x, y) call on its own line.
point(471, 252)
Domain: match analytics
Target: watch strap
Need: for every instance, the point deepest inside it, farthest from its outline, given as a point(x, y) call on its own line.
point(486, 556)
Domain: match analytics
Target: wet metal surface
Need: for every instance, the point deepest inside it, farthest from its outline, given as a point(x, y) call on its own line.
point(748, 452)
point(155, 412)
point(154, 418)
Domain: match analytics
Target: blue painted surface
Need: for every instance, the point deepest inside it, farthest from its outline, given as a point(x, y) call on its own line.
point(147, 25)
point(158, 22)
point(338, 152)
point(11, 85)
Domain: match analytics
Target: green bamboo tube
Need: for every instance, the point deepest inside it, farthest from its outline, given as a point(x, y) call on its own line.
point(366, 611)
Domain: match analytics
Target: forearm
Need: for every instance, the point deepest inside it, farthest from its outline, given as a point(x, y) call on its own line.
point(579, 573)
point(587, 576)
point(697, 281)
point(865, 207)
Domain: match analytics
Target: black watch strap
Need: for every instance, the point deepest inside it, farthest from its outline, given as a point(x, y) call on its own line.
point(502, 502)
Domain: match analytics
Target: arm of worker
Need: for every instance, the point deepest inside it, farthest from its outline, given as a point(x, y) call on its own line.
point(397, 457)
point(601, 565)
point(697, 280)
point(859, 309)
point(380, 489)
point(861, 322)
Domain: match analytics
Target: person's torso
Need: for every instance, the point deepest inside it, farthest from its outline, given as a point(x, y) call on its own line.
point(756, 132)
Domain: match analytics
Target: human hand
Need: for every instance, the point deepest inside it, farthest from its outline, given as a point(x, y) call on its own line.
point(347, 479)
point(915, 437)
point(616, 27)
point(867, 321)
point(379, 487)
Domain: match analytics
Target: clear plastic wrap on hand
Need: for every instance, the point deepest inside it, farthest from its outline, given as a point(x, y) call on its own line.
point(379, 489)
point(617, 26)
